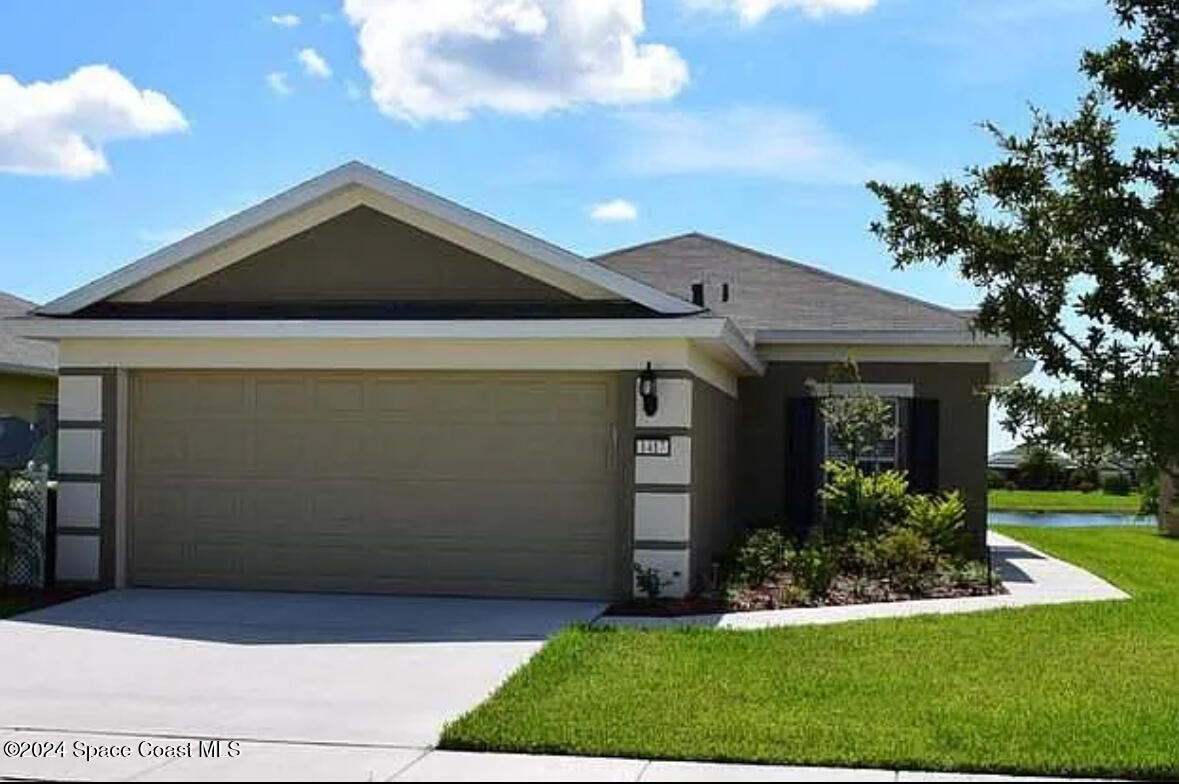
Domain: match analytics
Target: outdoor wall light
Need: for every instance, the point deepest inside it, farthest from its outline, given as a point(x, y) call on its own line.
point(647, 391)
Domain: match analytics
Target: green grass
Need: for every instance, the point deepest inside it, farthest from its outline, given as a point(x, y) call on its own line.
point(1086, 689)
point(1062, 501)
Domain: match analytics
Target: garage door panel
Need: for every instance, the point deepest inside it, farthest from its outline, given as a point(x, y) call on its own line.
point(462, 483)
point(281, 398)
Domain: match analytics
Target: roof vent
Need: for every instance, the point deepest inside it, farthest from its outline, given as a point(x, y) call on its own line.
point(698, 294)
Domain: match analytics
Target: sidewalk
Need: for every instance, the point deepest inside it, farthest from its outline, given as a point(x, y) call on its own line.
point(270, 761)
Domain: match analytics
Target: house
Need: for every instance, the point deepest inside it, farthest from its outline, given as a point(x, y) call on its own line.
point(359, 386)
point(28, 385)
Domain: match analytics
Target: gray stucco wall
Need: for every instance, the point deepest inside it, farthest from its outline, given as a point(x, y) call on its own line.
point(962, 438)
point(715, 520)
point(365, 256)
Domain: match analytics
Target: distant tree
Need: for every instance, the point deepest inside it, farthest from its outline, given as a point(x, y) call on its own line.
point(1040, 469)
point(1073, 235)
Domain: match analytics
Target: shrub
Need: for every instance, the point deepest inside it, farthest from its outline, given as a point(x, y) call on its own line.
point(906, 556)
point(814, 568)
point(650, 582)
point(1116, 484)
point(1040, 470)
point(940, 520)
point(996, 480)
point(1085, 476)
point(755, 559)
point(855, 500)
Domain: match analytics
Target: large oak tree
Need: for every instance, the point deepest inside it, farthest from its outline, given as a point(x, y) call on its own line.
point(1073, 235)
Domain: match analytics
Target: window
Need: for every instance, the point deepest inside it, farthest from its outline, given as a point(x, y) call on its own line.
point(883, 457)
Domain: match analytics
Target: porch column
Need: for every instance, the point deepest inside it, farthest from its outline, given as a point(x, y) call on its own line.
point(663, 484)
point(85, 470)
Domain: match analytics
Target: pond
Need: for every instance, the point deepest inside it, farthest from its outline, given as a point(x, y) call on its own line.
point(1065, 519)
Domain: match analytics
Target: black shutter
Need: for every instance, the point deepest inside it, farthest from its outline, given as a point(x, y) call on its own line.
point(802, 463)
point(923, 445)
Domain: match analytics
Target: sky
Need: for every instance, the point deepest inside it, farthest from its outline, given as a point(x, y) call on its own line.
point(595, 124)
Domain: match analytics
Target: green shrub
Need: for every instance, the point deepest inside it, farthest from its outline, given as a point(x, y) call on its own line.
point(1116, 484)
point(814, 568)
point(650, 582)
point(996, 480)
point(1084, 476)
point(755, 558)
point(855, 500)
point(905, 556)
point(1040, 470)
point(940, 520)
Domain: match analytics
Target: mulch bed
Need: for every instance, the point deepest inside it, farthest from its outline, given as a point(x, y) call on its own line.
point(771, 594)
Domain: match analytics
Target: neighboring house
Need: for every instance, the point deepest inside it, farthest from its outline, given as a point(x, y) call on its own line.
point(359, 386)
point(28, 384)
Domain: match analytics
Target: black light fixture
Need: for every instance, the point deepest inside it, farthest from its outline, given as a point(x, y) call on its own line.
point(647, 391)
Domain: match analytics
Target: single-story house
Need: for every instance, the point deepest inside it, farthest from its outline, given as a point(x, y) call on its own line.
point(357, 385)
point(28, 382)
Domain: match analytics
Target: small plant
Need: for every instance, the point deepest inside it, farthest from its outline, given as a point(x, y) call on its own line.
point(907, 557)
point(856, 500)
point(940, 520)
point(814, 568)
point(759, 556)
point(650, 582)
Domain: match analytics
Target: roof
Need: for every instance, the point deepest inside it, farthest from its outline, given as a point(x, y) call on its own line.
point(21, 355)
point(769, 294)
point(601, 281)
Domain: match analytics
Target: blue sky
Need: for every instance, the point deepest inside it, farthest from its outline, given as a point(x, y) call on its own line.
point(756, 120)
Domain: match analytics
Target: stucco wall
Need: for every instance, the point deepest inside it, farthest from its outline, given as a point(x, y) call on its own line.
point(715, 520)
point(364, 256)
point(19, 395)
point(962, 438)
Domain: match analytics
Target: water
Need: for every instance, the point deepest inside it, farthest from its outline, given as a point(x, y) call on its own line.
point(1065, 519)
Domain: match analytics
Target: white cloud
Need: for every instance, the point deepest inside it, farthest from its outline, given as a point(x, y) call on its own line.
point(59, 128)
point(753, 141)
point(277, 81)
point(614, 211)
point(753, 11)
point(432, 60)
point(285, 20)
point(313, 64)
point(352, 90)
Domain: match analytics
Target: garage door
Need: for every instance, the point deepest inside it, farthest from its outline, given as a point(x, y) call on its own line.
point(464, 483)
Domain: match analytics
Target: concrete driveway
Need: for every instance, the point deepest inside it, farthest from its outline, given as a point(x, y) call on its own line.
point(266, 666)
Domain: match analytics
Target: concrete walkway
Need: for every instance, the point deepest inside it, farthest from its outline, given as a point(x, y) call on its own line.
point(1030, 576)
point(274, 761)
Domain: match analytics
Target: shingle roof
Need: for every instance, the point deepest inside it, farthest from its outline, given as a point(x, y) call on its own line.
point(21, 355)
point(768, 293)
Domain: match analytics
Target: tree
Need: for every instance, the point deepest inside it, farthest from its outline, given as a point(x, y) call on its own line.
point(1073, 235)
point(858, 421)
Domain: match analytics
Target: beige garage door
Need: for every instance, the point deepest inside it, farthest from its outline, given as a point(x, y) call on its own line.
point(464, 483)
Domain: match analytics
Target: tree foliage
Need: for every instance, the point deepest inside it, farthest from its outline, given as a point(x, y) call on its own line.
point(858, 421)
point(1073, 236)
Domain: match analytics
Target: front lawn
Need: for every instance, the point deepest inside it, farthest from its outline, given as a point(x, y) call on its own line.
point(1087, 689)
point(1062, 501)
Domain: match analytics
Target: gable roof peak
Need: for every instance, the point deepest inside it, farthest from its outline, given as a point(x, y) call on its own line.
point(576, 272)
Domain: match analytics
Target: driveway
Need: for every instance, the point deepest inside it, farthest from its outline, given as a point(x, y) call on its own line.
point(266, 666)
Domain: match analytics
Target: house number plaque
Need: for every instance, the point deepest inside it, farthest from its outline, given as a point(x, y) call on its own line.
point(653, 447)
